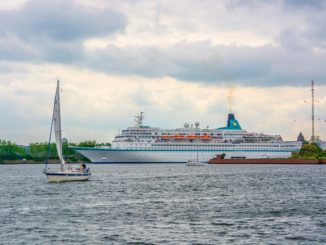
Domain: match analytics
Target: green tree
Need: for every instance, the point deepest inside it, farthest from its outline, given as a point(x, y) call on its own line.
point(39, 151)
point(103, 144)
point(323, 154)
point(11, 151)
point(311, 150)
point(295, 155)
point(87, 143)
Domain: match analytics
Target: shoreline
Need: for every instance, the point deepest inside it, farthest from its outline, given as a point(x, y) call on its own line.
point(289, 161)
point(29, 162)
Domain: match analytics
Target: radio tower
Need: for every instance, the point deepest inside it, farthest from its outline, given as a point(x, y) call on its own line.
point(312, 112)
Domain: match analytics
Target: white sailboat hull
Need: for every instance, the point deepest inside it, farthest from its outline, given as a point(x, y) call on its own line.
point(65, 176)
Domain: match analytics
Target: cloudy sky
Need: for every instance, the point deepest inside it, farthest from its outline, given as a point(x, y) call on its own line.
point(178, 61)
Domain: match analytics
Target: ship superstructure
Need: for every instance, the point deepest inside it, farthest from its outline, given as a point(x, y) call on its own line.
point(145, 144)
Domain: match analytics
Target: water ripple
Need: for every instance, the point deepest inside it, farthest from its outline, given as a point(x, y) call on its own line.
point(165, 204)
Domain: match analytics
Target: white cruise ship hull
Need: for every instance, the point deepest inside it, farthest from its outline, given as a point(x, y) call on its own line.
point(144, 144)
point(111, 155)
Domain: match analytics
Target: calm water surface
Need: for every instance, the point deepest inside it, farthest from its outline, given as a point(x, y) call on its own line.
point(165, 204)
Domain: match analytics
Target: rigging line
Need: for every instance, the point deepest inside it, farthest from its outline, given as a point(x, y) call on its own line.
point(49, 143)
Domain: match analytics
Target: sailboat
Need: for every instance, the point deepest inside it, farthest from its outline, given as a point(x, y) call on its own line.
point(195, 162)
point(66, 172)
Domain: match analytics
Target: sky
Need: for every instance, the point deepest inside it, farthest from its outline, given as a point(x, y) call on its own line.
point(177, 61)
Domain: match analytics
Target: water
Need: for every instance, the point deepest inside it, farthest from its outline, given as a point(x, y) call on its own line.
point(166, 204)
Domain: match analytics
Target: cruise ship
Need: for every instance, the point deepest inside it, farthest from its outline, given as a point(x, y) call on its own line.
point(145, 144)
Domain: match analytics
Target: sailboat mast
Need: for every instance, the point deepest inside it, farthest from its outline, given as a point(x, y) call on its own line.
point(57, 124)
point(59, 121)
point(312, 112)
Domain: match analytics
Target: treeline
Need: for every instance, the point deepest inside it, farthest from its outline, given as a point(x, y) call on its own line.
point(309, 151)
point(39, 151)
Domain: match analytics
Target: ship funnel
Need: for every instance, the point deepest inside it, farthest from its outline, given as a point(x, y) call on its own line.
point(232, 123)
point(230, 119)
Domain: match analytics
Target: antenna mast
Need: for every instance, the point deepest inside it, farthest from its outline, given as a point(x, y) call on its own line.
point(139, 119)
point(312, 112)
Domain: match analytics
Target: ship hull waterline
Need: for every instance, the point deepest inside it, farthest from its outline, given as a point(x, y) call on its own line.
point(109, 156)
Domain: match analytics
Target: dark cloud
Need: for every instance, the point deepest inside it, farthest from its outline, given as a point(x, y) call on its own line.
point(60, 20)
point(61, 52)
point(315, 4)
point(12, 48)
point(310, 31)
point(290, 4)
point(53, 30)
point(253, 66)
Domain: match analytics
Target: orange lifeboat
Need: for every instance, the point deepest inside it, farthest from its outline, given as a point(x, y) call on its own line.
point(165, 137)
point(205, 137)
point(192, 136)
point(178, 137)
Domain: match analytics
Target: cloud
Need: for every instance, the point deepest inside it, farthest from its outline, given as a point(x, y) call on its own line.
point(54, 31)
point(12, 48)
point(288, 4)
point(298, 4)
point(235, 4)
point(60, 20)
point(219, 64)
point(44, 31)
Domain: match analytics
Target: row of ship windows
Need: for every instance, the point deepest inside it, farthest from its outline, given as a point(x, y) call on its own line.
point(171, 134)
point(238, 145)
point(137, 133)
point(152, 136)
point(194, 149)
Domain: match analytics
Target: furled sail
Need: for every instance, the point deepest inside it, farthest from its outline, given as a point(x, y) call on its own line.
point(57, 124)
